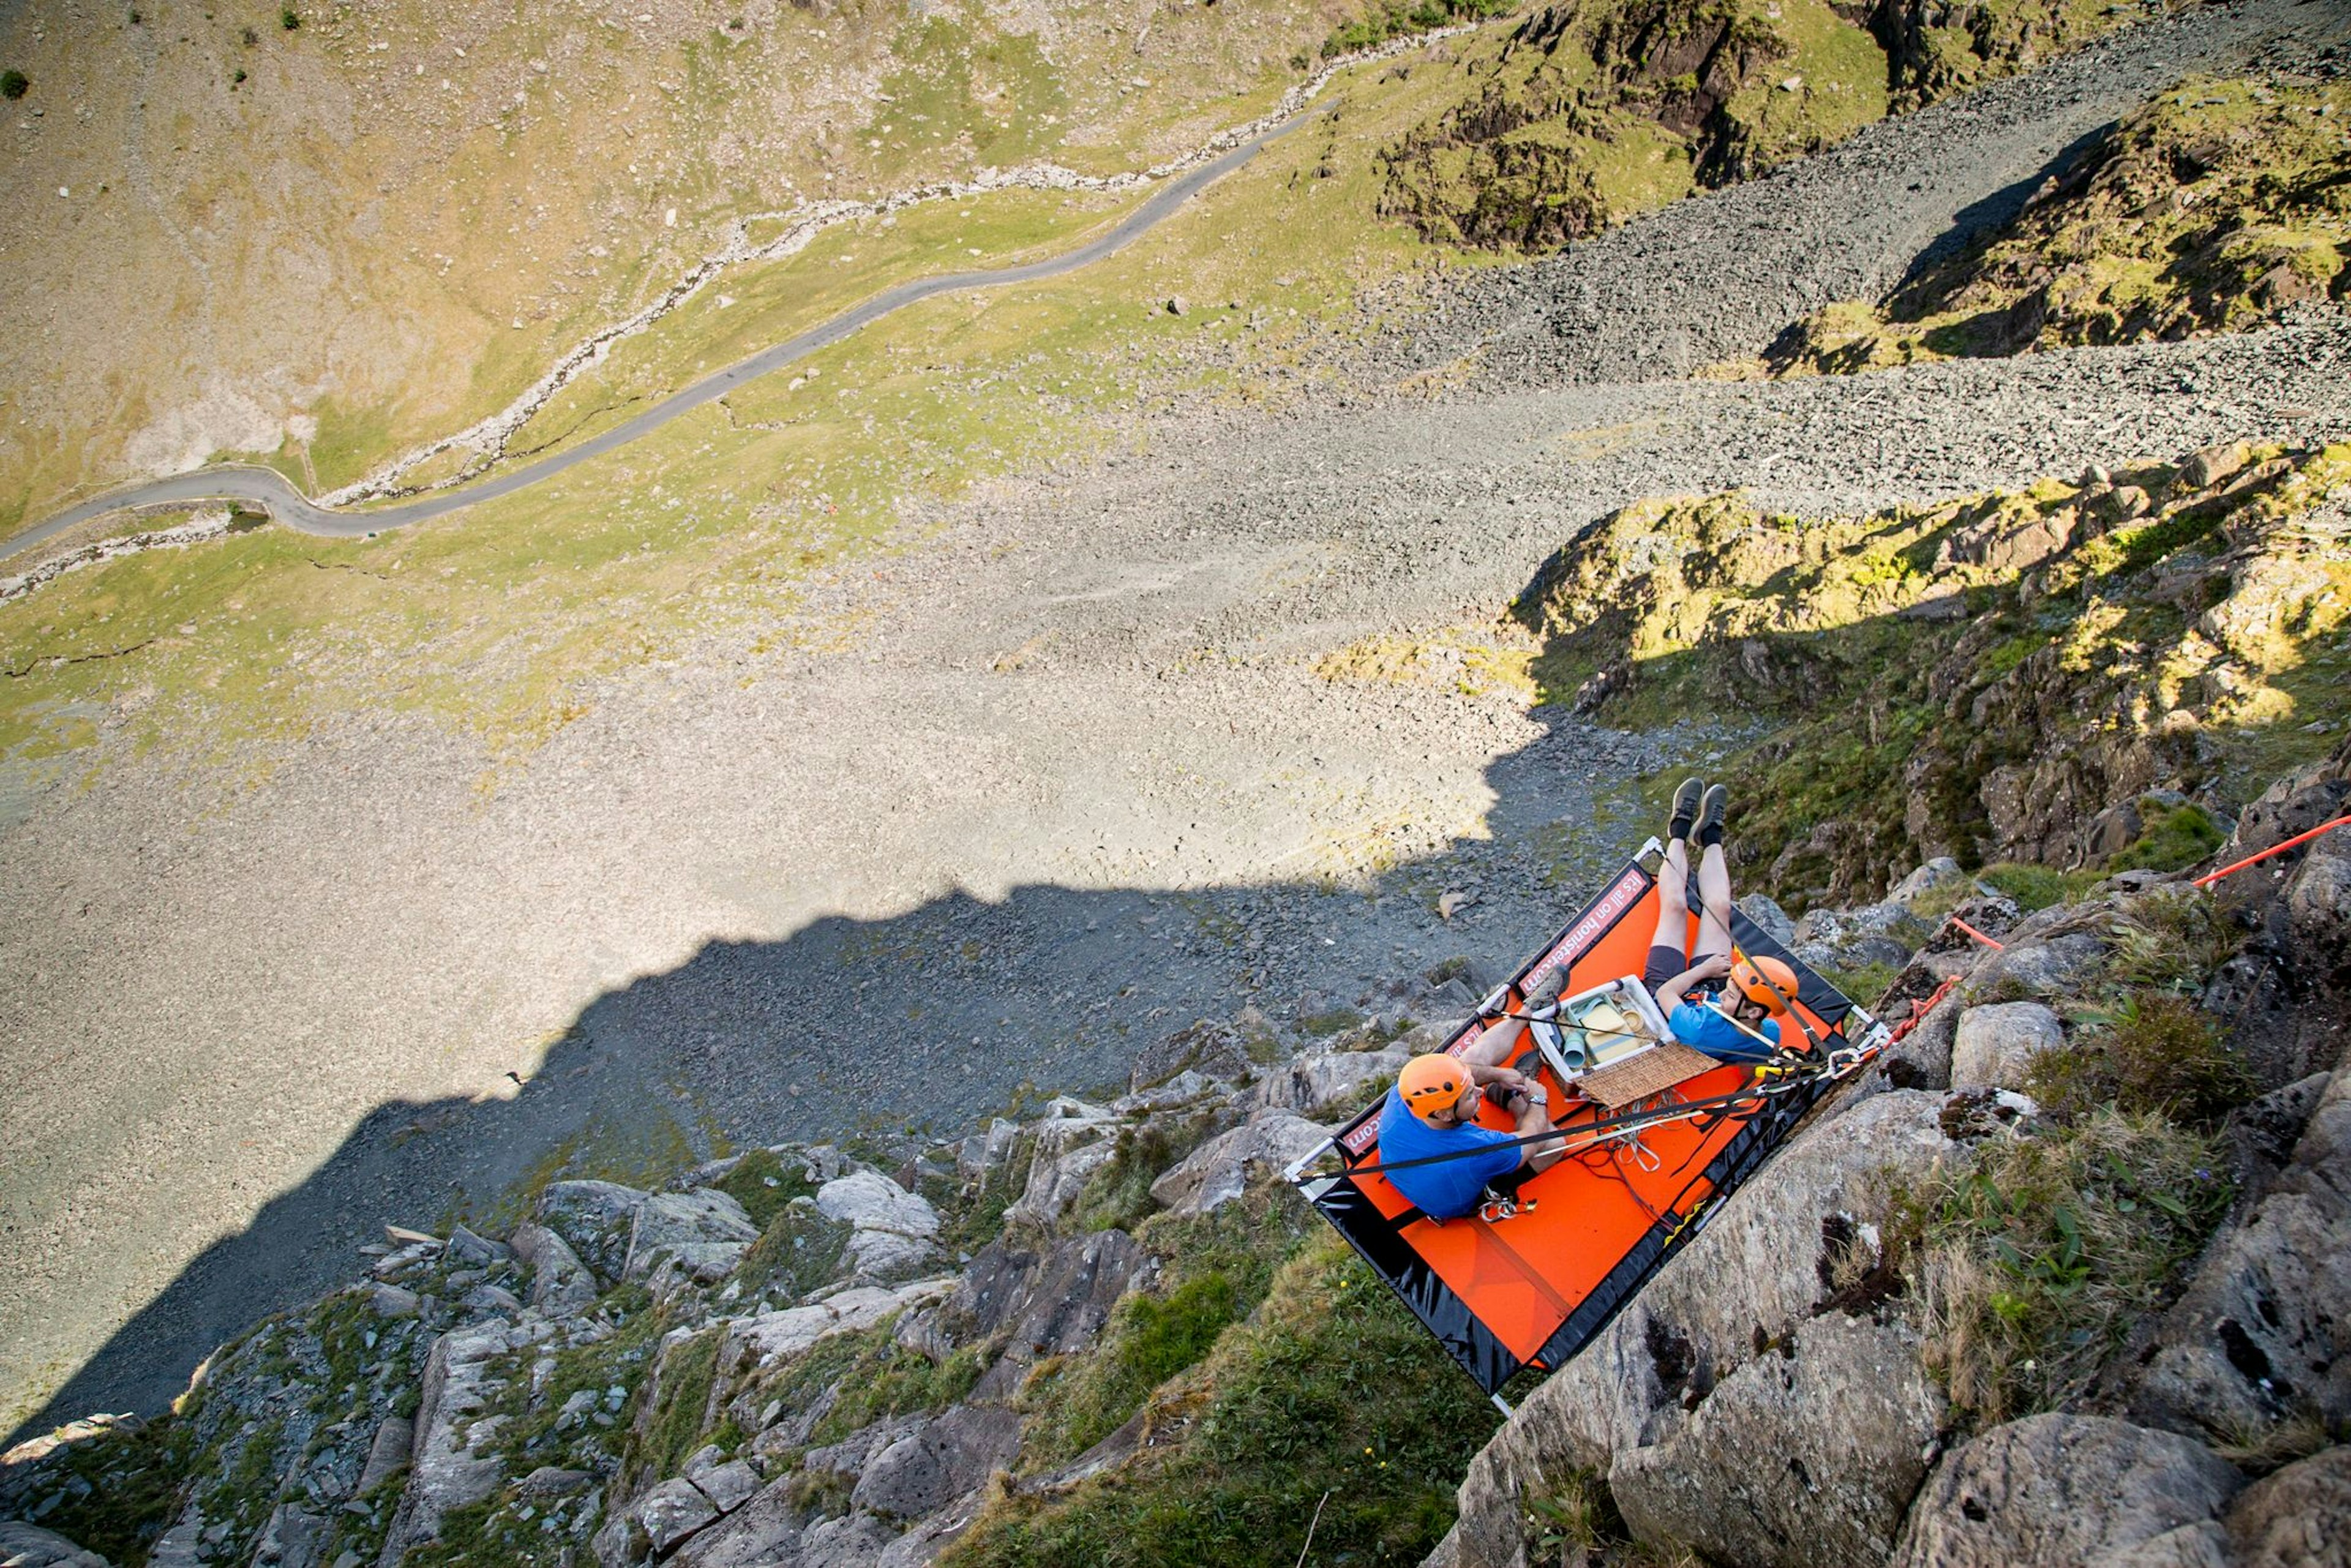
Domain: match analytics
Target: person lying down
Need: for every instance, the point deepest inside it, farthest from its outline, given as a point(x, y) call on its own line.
point(1727, 1005)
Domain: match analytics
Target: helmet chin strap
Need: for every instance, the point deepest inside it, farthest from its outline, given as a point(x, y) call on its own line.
point(1740, 955)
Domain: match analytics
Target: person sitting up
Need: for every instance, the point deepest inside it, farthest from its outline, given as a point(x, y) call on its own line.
point(1433, 1111)
point(1737, 1023)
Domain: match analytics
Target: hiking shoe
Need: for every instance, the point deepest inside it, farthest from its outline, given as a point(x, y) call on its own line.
point(1544, 992)
point(1711, 812)
point(1685, 797)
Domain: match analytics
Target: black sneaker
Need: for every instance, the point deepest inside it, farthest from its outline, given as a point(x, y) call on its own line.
point(1685, 798)
point(1711, 812)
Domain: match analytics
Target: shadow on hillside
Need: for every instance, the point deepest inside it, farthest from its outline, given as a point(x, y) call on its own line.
point(932, 1018)
point(1984, 218)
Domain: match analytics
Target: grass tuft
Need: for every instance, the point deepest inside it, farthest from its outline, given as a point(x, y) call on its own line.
point(1118, 1197)
point(1330, 1396)
point(2150, 1054)
point(2032, 1266)
point(764, 1184)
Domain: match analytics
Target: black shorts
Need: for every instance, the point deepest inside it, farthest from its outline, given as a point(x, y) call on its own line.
point(1664, 964)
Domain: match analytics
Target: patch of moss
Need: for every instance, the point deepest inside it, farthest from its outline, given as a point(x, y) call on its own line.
point(2037, 887)
point(1865, 983)
point(971, 1216)
point(2150, 1053)
point(501, 1532)
point(616, 1361)
point(888, 1379)
point(799, 1250)
point(123, 1489)
point(1215, 1269)
point(246, 1493)
point(1118, 1196)
point(764, 1183)
point(866, 1375)
point(1149, 1339)
point(667, 1435)
point(2171, 838)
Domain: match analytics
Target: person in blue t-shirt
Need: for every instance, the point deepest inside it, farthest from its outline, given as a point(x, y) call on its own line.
point(1734, 1024)
point(1433, 1111)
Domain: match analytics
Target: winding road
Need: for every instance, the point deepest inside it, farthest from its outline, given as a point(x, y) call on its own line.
point(269, 488)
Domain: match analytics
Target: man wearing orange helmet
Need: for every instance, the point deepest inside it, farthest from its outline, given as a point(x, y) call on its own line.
point(1432, 1113)
point(1734, 1024)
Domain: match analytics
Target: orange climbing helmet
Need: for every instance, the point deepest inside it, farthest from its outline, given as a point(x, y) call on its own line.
point(1766, 982)
point(1432, 1083)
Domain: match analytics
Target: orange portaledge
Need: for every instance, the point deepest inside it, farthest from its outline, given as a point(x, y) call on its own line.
point(1531, 1289)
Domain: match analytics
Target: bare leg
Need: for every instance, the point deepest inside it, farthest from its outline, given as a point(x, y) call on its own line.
point(1714, 889)
point(1673, 899)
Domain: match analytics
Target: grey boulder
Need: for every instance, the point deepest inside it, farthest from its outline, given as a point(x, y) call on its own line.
point(1069, 1147)
point(764, 1531)
point(595, 1219)
point(1218, 1171)
point(926, 1470)
point(1809, 1455)
point(705, 1231)
point(560, 1284)
point(2065, 1491)
point(2298, 1518)
point(1996, 1044)
point(1319, 1081)
point(24, 1545)
point(2260, 1337)
point(1757, 1271)
point(443, 1472)
point(390, 1450)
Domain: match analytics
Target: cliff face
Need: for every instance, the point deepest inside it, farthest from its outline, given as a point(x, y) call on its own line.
point(1047, 1341)
point(2053, 1283)
point(2040, 676)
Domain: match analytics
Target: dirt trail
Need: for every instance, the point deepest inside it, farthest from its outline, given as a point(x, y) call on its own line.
point(1073, 745)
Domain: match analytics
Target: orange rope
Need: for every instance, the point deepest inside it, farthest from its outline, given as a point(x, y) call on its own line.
point(2208, 878)
point(1919, 1009)
point(1995, 947)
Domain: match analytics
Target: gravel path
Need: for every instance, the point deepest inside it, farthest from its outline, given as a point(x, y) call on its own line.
point(1026, 798)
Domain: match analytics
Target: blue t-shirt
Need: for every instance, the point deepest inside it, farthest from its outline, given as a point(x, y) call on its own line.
point(1704, 1028)
point(1450, 1187)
